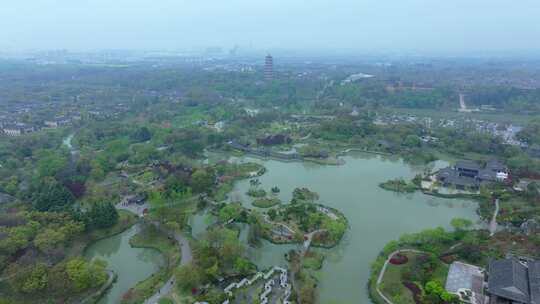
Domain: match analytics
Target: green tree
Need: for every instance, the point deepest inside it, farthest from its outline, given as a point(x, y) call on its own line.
point(189, 276)
point(243, 266)
point(50, 163)
point(142, 134)
point(50, 195)
point(102, 215)
point(85, 274)
point(12, 186)
point(460, 224)
point(48, 239)
point(272, 214)
point(412, 141)
point(202, 181)
point(230, 211)
point(37, 279)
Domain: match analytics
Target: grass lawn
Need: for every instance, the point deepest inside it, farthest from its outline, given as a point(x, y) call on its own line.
point(313, 260)
point(451, 114)
point(392, 285)
point(266, 202)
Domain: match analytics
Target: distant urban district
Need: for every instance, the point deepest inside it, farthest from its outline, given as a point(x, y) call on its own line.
point(141, 177)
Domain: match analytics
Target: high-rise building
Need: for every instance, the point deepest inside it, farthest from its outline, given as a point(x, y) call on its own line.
point(268, 67)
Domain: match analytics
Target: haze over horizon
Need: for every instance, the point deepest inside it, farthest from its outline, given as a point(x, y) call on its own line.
point(365, 25)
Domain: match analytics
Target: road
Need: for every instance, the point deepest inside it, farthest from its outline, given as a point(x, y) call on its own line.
point(462, 105)
point(493, 223)
point(185, 249)
point(187, 257)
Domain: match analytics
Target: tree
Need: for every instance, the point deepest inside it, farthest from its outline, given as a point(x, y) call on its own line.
point(230, 211)
point(202, 181)
point(243, 266)
point(435, 293)
point(84, 275)
point(102, 215)
point(37, 280)
point(335, 228)
point(189, 276)
point(12, 186)
point(272, 214)
point(48, 239)
point(50, 163)
point(50, 195)
point(460, 223)
point(304, 195)
point(412, 141)
point(533, 190)
point(142, 134)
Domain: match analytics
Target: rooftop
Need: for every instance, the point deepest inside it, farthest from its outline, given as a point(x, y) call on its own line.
point(464, 276)
point(508, 279)
point(467, 165)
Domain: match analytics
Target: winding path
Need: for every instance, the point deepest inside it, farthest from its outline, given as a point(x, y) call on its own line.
point(309, 237)
point(383, 270)
point(185, 249)
point(493, 223)
point(187, 257)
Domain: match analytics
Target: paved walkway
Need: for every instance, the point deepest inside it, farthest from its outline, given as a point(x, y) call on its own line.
point(383, 270)
point(183, 243)
point(309, 236)
point(187, 257)
point(134, 208)
point(493, 223)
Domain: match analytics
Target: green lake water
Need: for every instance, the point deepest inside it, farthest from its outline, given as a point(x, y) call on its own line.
point(376, 216)
point(130, 264)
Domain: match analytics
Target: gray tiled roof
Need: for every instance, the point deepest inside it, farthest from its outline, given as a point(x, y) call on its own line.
point(495, 165)
point(534, 281)
point(468, 164)
point(461, 181)
point(487, 175)
point(508, 279)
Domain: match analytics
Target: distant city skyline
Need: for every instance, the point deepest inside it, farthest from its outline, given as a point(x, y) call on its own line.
point(459, 26)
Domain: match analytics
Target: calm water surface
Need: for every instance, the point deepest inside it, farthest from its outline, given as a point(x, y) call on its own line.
point(130, 264)
point(376, 216)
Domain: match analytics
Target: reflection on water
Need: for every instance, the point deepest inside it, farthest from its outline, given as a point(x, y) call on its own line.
point(199, 222)
point(375, 216)
point(130, 264)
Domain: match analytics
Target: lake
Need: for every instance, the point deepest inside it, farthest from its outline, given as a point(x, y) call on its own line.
point(130, 264)
point(376, 216)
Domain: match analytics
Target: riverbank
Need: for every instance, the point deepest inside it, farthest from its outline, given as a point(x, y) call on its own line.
point(151, 237)
point(374, 216)
point(125, 221)
point(94, 298)
point(131, 264)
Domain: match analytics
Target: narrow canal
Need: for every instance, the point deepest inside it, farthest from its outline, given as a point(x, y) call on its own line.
point(130, 264)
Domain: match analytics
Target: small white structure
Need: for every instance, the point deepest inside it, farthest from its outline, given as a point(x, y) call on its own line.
point(283, 282)
point(502, 176)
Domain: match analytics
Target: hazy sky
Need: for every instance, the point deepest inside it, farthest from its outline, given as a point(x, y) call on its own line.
point(425, 25)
